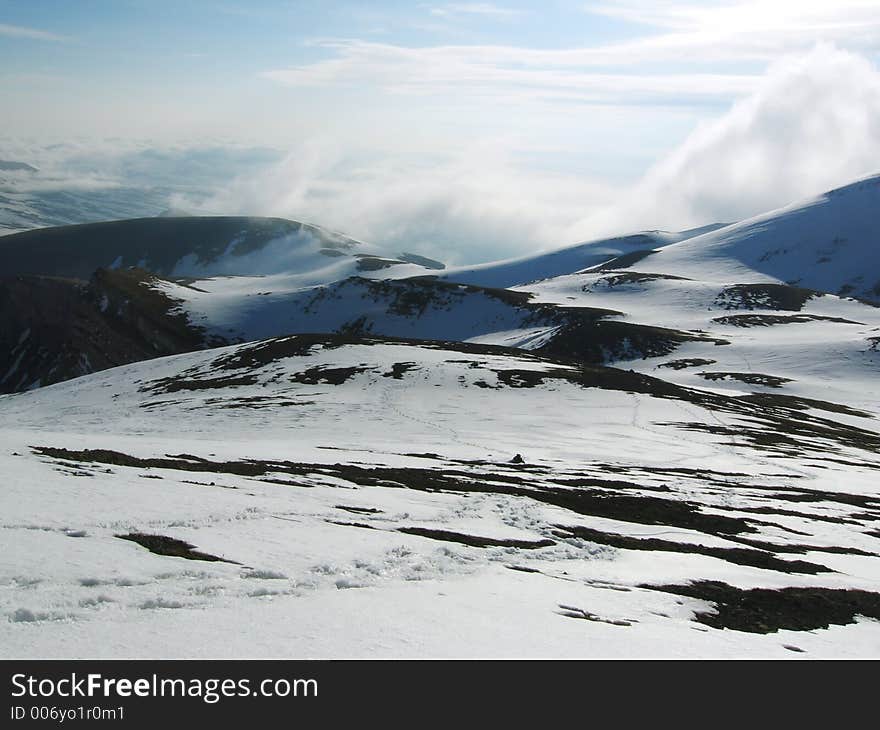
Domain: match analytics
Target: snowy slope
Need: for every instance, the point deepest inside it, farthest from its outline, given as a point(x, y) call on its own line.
point(345, 497)
point(780, 339)
point(566, 260)
point(248, 308)
point(830, 243)
point(454, 472)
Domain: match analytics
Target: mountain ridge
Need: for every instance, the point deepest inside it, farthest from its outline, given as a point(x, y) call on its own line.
point(827, 242)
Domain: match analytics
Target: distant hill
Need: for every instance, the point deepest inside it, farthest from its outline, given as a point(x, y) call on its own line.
point(12, 166)
point(207, 246)
point(165, 245)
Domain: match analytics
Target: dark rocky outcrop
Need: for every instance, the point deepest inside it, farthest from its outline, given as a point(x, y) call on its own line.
point(54, 329)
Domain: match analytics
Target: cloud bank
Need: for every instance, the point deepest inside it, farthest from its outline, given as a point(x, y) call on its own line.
point(472, 206)
point(99, 164)
point(812, 123)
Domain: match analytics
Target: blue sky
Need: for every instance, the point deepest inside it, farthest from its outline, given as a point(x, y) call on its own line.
point(198, 60)
point(542, 110)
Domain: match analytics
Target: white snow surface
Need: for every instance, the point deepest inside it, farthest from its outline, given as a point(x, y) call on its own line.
point(310, 580)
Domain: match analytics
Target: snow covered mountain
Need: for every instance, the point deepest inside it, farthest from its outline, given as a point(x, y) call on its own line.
point(658, 445)
point(72, 303)
point(545, 265)
point(830, 243)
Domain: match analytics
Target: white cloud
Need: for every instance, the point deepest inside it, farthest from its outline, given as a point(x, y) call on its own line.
point(813, 124)
point(744, 16)
point(748, 29)
point(624, 72)
point(491, 72)
point(17, 31)
point(619, 72)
